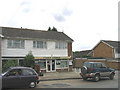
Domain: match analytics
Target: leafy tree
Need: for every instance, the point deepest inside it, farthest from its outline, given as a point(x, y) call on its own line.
point(29, 60)
point(9, 63)
point(49, 29)
point(54, 29)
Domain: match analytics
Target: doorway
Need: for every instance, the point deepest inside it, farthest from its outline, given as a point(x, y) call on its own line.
point(51, 66)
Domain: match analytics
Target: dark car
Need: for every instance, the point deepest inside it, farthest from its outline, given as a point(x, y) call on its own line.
point(96, 70)
point(16, 77)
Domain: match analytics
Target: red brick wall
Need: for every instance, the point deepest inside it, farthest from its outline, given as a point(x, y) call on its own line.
point(69, 49)
point(62, 70)
point(103, 50)
point(111, 64)
point(70, 67)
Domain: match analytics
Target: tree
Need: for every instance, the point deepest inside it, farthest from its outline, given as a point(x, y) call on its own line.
point(9, 63)
point(54, 29)
point(49, 29)
point(29, 60)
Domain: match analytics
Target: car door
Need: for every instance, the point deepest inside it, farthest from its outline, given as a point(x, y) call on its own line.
point(27, 77)
point(104, 70)
point(11, 79)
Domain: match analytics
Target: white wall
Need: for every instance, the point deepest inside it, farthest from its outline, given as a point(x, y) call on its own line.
point(117, 55)
point(16, 52)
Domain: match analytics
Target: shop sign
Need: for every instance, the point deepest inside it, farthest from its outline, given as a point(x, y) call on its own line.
point(52, 57)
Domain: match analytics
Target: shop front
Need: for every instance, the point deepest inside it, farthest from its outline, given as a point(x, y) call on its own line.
point(53, 65)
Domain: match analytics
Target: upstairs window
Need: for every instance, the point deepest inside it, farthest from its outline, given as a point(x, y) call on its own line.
point(15, 43)
point(40, 44)
point(61, 45)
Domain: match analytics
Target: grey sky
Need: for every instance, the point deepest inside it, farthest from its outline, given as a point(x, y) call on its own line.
point(85, 21)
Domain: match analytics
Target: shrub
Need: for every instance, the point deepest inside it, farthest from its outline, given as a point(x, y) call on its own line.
point(9, 63)
point(29, 60)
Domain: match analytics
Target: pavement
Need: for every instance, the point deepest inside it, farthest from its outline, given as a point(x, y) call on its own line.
point(75, 74)
point(60, 76)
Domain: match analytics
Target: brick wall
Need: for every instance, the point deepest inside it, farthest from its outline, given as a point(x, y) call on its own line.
point(70, 67)
point(111, 64)
point(103, 50)
point(62, 70)
point(69, 49)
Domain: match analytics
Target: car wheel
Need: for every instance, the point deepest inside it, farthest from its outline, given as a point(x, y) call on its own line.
point(111, 76)
point(97, 78)
point(32, 85)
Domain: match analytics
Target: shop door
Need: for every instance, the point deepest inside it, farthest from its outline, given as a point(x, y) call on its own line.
point(51, 65)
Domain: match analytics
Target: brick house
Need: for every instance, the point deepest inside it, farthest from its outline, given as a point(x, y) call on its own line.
point(106, 49)
point(52, 50)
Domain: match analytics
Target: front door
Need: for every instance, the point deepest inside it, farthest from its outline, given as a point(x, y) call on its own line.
point(51, 66)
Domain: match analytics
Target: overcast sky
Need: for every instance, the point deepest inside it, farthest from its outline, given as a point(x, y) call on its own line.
point(85, 21)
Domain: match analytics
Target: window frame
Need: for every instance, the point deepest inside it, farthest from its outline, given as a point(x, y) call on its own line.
point(61, 45)
point(33, 73)
point(16, 43)
point(40, 44)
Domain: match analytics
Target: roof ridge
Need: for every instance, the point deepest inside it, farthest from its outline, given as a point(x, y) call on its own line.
point(24, 29)
point(32, 33)
point(110, 40)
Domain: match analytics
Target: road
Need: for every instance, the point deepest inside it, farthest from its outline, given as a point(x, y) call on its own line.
point(79, 83)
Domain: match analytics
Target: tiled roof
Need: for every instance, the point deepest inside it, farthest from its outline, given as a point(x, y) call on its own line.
point(9, 32)
point(114, 44)
point(81, 54)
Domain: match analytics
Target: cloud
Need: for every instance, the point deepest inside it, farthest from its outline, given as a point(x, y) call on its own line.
point(24, 3)
point(26, 10)
point(59, 17)
point(67, 12)
point(62, 14)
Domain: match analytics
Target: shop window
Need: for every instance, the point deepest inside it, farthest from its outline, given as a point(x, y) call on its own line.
point(64, 64)
point(58, 64)
point(42, 65)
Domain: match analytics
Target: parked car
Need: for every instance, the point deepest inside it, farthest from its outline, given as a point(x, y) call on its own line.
point(96, 70)
point(16, 77)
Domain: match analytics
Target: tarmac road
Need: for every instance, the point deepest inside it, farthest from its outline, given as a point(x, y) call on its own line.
point(73, 80)
point(79, 83)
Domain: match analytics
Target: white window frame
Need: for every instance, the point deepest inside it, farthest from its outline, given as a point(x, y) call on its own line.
point(61, 45)
point(36, 44)
point(16, 43)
